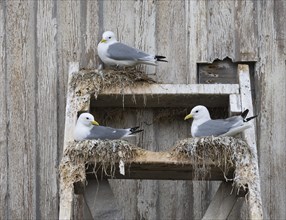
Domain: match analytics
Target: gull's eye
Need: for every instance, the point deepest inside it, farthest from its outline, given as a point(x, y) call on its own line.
point(87, 118)
point(197, 111)
point(109, 37)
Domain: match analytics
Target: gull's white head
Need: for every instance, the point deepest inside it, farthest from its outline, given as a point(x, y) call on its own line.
point(199, 112)
point(108, 37)
point(87, 119)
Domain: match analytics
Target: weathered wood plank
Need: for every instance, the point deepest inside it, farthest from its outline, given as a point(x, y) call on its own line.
point(100, 201)
point(147, 190)
point(194, 19)
point(47, 134)
point(127, 201)
point(178, 89)
point(221, 30)
point(73, 106)
point(172, 44)
point(116, 18)
point(218, 72)
point(167, 95)
point(271, 106)
point(21, 89)
point(246, 31)
point(145, 30)
point(3, 119)
point(202, 40)
point(239, 209)
point(199, 33)
point(66, 194)
point(247, 103)
point(254, 197)
point(68, 50)
point(90, 33)
point(234, 104)
point(71, 47)
point(162, 165)
point(171, 193)
point(222, 202)
point(68, 209)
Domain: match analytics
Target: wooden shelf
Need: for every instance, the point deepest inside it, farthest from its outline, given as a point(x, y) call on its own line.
point(167, 95)
point(162, 166)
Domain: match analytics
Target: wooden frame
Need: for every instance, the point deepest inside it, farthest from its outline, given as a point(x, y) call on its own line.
point(239, 99)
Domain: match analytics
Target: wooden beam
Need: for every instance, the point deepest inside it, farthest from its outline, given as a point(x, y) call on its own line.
point(169, 89)
point(222, 203)
point(254, 197)
point(247, 103)
point(162, 95)
point(161, 171)
point(74, 104)
point(99, 200)
point(159, 166)
point(234, 104)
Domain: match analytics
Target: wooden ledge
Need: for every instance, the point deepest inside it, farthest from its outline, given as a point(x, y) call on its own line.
point(163, 166)
point(166, 95)
point(187, 89)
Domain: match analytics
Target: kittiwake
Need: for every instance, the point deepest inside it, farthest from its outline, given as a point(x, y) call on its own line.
point(203, 125)
point(87, 128)
point(114, 53)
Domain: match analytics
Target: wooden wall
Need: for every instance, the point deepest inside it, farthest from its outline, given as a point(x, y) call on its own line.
point(39, 38)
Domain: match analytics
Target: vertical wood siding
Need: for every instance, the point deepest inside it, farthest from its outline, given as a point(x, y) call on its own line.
point(39, 38)
point(271, 88)
point(3, 118)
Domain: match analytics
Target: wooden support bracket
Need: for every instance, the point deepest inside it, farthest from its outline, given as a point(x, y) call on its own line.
point(74, 104)
point(254, 197)
point(222, 203)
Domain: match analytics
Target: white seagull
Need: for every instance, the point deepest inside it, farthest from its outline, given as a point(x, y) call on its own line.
point(114, 53)
point(203, 125)
point(87, 128)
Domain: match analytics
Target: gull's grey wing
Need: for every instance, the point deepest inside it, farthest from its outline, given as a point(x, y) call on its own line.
point(119, 51)
point(219, 126)
point(103, 133)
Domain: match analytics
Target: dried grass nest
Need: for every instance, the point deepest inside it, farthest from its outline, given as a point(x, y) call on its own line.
point(78, 154)
point(223, 152)
point(88, 81)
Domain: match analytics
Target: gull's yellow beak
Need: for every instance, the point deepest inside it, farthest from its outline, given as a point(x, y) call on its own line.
point(103, 41)
point(188, 116)
point(94, 122)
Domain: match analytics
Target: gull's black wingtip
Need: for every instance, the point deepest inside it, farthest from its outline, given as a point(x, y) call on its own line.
point(135, 130)
point(160, 58)
point(244, 114)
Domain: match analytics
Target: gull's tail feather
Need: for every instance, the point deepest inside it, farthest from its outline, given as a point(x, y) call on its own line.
point(248, 119)
point(135, 130)
point(160, 58)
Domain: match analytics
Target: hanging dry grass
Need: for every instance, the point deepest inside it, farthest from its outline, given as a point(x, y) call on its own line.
point(224, 152)
point(97, 152)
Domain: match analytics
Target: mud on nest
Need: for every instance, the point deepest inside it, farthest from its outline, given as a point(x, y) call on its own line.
point(224, 152)
point(93, 81)
point(108, 153)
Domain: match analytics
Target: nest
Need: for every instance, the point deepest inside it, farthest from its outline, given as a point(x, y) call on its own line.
point(226, 153)
point(93, 81)
point(79, 154)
